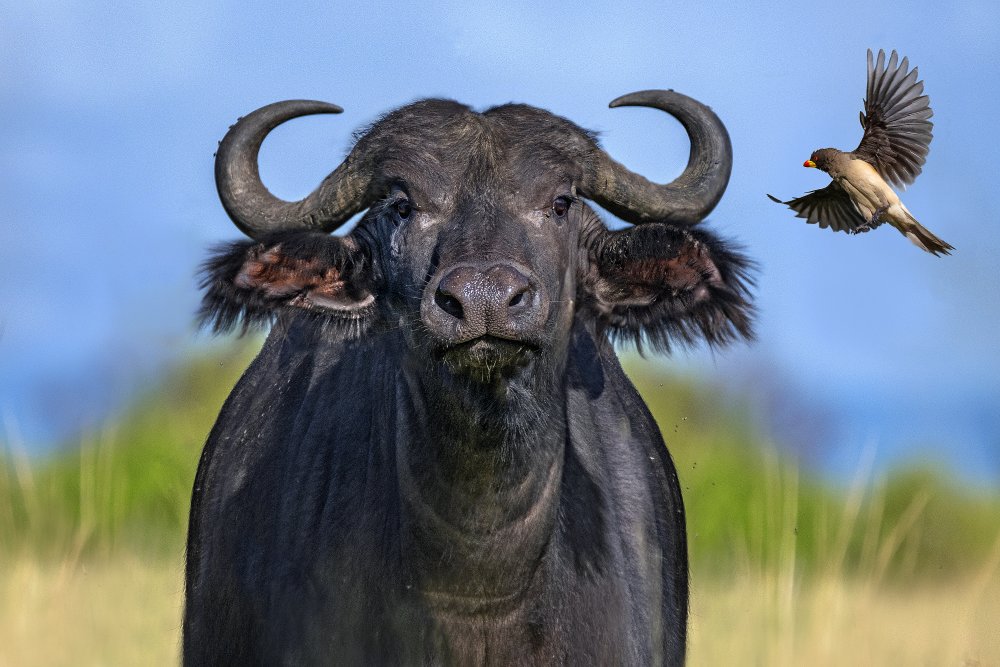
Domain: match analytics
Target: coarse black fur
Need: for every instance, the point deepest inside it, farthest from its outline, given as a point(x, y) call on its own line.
point(436, 457)
point(227, 306)
point(710, 302)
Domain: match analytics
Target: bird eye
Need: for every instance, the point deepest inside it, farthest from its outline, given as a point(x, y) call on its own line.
point(560, 207)
point(403, 208)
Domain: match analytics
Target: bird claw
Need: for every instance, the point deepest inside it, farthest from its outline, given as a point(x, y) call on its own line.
point(875, 221)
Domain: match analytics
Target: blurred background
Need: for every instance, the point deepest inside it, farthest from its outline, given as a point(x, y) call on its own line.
point(849, 454)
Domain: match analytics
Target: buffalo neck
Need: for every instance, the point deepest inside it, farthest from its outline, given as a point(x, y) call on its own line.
point(479, 471)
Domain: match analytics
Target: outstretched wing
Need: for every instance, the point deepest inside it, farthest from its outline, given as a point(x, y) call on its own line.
point(829, 207)
point(897, 130)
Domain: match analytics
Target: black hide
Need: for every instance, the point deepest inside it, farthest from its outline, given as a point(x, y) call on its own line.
point(299, 553)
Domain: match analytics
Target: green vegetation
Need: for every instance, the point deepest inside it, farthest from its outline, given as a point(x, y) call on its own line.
point(751, 506)
point(127, 487)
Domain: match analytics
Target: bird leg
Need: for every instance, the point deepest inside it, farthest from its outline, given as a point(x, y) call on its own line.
point(875, 221)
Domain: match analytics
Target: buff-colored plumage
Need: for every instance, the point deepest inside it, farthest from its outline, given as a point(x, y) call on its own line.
point(894, 147)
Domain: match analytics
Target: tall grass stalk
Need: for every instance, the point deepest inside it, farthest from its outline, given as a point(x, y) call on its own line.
point(844, 609)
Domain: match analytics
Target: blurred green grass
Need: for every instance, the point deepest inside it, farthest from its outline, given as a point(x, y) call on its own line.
point(128, 486)
point(749, 504)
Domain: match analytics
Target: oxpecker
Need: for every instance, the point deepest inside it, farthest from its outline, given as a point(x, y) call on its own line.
point(894, 146)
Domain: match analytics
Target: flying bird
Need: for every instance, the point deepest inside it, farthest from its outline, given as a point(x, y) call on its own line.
point(894, 146)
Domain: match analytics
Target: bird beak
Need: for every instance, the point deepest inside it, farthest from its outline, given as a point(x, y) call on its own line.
point(808, 163)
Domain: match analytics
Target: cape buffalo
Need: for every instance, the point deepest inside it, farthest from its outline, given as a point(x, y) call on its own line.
point(436, 457)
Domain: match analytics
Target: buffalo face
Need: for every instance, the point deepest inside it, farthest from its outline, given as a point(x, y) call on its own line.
point(477, 258)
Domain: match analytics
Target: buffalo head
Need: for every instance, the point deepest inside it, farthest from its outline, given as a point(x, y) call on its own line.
point(478, 245)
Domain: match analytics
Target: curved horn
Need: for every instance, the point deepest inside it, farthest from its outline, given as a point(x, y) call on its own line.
point(253, 208)
point(693, 194)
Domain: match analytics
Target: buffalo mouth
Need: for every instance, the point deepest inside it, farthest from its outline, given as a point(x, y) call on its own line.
point(487, 356)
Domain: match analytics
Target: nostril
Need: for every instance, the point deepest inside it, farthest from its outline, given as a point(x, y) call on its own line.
point(449, 304)
point(517, 299)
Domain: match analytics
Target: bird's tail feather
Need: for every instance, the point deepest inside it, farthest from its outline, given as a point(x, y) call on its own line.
point(922, 237)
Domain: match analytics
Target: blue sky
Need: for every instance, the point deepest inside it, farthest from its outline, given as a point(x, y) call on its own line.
point(110, 112)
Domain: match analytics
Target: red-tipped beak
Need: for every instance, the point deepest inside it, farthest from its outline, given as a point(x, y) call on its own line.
point(808, 163)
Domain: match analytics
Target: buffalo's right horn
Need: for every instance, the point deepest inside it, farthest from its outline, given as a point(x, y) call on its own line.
point(692, 195)
point(254, 209)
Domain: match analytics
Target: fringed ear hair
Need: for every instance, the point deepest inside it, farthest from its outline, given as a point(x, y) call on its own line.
point(667, 285)
point(248, 282)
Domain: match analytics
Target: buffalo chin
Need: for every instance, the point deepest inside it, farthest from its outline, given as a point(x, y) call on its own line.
point(487, 359)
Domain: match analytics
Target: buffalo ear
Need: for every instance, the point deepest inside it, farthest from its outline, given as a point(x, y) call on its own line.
point(250, 281)
point(667, 285)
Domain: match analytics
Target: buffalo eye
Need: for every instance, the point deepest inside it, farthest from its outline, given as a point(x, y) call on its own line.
point(403, 208)
point(560, 207)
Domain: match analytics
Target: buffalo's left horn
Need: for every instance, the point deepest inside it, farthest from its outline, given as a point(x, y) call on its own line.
point(692, 195)
point(253, 208)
